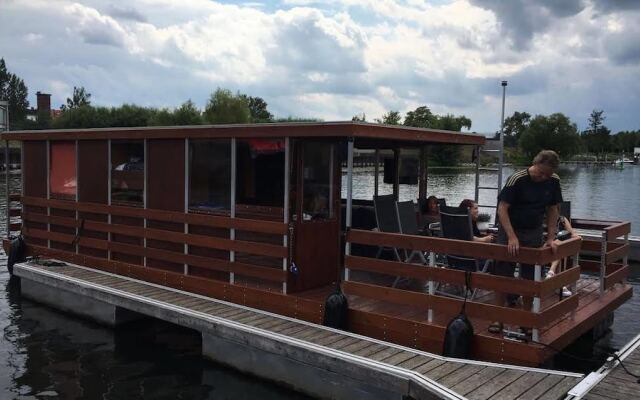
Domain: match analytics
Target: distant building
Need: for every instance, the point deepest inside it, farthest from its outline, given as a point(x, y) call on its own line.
point(43, 102)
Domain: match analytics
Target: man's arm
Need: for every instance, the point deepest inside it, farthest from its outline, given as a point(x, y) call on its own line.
point(505, 223)
point(552, 221)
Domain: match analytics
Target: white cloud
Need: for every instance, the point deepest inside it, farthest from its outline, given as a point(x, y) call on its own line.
point(334, 59)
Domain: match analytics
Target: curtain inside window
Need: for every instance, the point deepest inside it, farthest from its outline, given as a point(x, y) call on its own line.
point(62, 172)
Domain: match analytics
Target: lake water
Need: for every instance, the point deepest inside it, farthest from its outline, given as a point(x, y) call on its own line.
point(604, 193)
point(48, 354)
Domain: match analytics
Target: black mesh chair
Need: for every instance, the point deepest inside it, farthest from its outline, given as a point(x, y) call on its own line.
point(387, 220)
point(408, 225)
point(456, 224)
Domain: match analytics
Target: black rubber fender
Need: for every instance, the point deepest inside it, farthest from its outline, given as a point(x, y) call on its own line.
point(17, 253)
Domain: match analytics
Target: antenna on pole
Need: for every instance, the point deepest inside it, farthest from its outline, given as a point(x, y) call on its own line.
point(501, 154)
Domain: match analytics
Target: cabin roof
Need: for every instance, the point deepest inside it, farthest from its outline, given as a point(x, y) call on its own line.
point(397, 133)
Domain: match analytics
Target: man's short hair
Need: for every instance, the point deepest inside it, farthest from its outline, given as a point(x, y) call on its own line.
point(547, 157)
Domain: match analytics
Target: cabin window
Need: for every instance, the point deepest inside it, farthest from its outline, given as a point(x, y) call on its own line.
point(62, 170)
point(210, 175)
point(260, 176)
point(127, 172)
point(318, 179)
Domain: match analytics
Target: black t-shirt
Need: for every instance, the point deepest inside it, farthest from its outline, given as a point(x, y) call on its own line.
point(529, 199)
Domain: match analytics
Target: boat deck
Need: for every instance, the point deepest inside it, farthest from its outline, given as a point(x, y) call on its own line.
point(344, 356)
point(398, 323)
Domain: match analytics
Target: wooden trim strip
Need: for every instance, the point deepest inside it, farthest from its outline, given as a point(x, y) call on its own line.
point(564, 278)
point(422, 272)
point(335, 130)
point(559, 309)
point(15, 212)
point(266, 273)
point(618, 276)
point(256, 248)
point(464, 248)
point(270, 227)
point(616, 254)
point(441, 304)
point(15, 226)
point(617, 230)
point(15, 197)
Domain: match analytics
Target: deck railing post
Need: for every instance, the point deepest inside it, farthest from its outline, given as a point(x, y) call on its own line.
point(603, 260)
point(574, 285)
point(347, 246)
point(285, 238)
point(376, 172)
point(232, 231)
point(145, 189)
point(625, 259)
point(48, 172)
point(109, 236)
point(535, 333)
point(7, 188)
point(77, 198)
point(432, 286)
point(186, 198)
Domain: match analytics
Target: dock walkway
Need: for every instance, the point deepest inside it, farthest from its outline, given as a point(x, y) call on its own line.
point(311, 358)
point(611, 381)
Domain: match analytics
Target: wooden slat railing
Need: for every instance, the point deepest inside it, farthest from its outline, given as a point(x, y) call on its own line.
point(278, 228)
point(451, 306)
point(255, 248)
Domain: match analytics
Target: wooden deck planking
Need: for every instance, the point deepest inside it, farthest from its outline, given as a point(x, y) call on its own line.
point(496, 384)
point(475, 381)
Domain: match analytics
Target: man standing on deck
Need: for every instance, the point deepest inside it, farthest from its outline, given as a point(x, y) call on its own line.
point(522, 204)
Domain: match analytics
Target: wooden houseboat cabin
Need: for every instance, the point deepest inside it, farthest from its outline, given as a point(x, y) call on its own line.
point(265, 216)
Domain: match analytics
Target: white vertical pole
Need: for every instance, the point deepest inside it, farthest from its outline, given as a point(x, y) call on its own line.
point(432, 286)
point(603, 260)
point(187, 175)
point(347, 249)
point(285, 238)
point(232, 231)
point(376, 172)
point(501, 154)
point(535, 334)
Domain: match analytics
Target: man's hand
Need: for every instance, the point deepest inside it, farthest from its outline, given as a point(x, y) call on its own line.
point(513, 245)
point(551, 243)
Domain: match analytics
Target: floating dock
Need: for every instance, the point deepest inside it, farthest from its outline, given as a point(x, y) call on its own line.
point(613, 379)
point(307, 357)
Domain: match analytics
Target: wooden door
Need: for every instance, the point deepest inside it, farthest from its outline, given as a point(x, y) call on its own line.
point(315, 215)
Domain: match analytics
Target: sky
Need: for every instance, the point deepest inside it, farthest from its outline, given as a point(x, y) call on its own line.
point(334, 59)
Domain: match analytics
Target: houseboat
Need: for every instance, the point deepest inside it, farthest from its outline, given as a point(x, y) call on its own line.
point(264, 216)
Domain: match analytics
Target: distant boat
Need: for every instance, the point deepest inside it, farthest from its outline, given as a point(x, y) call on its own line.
point(623, 160)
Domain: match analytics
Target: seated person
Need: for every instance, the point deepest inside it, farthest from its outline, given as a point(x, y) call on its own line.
point(431, 214)
point(477, 236)
point(563, 224)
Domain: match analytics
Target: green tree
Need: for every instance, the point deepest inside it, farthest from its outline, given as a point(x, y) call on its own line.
point(514, 126)
point(359, 118)
point(224, 107)
point(258, 109)
point(187, 114)
point(555, 132)
point(84, 117)
point(4, 79)
point(80, 98)
point(597, 139)
point(16, 93)
point(390, 118)
point(422, 117)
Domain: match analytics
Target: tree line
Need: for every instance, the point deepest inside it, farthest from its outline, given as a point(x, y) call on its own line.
point(524, 135)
